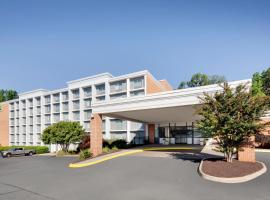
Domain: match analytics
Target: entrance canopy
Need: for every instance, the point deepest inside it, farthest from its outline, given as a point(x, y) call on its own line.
point(172, 106)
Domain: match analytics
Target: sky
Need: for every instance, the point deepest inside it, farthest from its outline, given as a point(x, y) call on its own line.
point(44, 44)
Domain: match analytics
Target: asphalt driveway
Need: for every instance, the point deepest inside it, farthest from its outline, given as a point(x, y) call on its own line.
point(131, 177)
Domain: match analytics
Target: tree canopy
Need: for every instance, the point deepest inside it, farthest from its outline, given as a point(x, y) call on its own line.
point(6, 95)
point(231, 116)
point(200, 79)
point(63, 133)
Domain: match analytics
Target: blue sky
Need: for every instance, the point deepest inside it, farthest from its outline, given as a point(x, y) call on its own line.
point(44, 44)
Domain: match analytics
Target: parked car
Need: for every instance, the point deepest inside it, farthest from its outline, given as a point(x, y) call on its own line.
point(18, 151)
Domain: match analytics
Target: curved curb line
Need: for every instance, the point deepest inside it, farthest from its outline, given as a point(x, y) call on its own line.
point(232, 180)
point(166, 148)
point(79, 165)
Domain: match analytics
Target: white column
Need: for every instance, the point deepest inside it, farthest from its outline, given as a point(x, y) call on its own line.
point(128, 131)
point(107, 128)
point(128, 87)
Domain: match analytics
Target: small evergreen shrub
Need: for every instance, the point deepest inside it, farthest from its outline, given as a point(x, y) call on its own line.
point(120, 144)
point(84, 154)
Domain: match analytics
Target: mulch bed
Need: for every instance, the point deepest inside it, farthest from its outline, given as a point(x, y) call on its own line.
point(221, 168)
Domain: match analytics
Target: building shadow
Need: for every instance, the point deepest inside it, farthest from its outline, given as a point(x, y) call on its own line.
point(195, 157)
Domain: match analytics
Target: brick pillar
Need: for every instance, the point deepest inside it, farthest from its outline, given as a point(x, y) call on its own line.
point(246, 153)
point(151, 133)
point(96, 134)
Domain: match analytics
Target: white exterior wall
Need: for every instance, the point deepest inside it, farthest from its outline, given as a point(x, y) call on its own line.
point(72, 85)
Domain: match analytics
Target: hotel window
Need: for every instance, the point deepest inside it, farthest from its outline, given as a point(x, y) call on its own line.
point(18, 129)
point(137, 93)
point(30, 111)
point(24, 137)
point(12, 122)
point(87, 92)
point(47, 99)
point(38, 127)
point(119, 86)
point(65, 96)
point(118, 96)
point(12, 138)
point(87, 115)
point(38, 102)
point(38, 119)
point(12, 114)
point(38, 111)
point(11, 106)
point(47, 119)
point(24, 129)
point(65, 106)
point(102, 98)
point(136, 83)
point(65, 116)
point(30, 102)
point(87, 103)
point(100, 89)
point(118, 124)
point(56, 108)
point(31, 120)
point(12, 130)
point(47, 109)
point(76, 105)
point(30, 129)
point(87, 126)
point(17, 105)
point(76, 116)
point(31, 138)
point(56, 118)
point(76, 94)
point(23, 104)
point(18, 138)
point(23, 120)
point(24, 113)
point(17, 122)
point(56, 98)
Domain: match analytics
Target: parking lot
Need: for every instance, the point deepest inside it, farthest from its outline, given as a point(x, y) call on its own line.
point(130, 177)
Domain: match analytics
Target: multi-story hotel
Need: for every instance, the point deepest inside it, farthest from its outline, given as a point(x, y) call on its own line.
point(35, 110)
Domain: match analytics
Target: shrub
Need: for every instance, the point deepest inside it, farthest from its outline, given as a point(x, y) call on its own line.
point(85, 143)
point(106, 150)
point(61, 153)
point(120, 144)
point(114, 148)
point(84, 154)
point(106, 143)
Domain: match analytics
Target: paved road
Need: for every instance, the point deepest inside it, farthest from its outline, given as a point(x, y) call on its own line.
point(131, 177)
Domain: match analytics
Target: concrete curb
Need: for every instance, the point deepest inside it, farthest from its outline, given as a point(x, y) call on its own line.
point(232, 180)
point(263, 150)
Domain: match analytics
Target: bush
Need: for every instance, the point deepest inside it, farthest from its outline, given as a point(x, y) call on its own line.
point(85, 143)
point(61, 153)
point(120, 144)
point(38, 149)
point(84, 154)
point(114, 148)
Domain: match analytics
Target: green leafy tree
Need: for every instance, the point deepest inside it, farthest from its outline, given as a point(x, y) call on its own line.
point(231, 116)
point(182, 85)
point(257, 85)
point(63, 133)
point(216, 79)
point(265, 76)
point(6, 95)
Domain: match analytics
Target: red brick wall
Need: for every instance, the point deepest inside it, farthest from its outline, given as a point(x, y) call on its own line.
point(151, 133)
point(4, 124)
point(96, 135)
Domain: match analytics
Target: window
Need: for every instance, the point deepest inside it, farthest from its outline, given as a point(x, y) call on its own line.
point(24, 138)
point(65, 116)
point(65, 106)
point(118, 124)
point(24, 129)
point(103, 125)
point(87, 103)
point(18, 138)
point(30, 111)
point(30, 129)
point(56, 98)
point(12, 130)
point(76, 116)
point(137, 93)
point(11, 106)
point(47, 109)
point(87, 92)
point(31, 120)
point(47, 119)
point(38, 101)
point(17, 122)
point(76, 105)
point(31, 138)
point(24, 120)
point(17, 105)
point(87, 115)
point(12, 122)
point(76, 94)
point(12, 138)
point(56, 108)
point(17, 129)
point(23, 104)
point(137, 83)
point(56, 118)
point(65, 96)
point(118, 86)
point(100, 89)
point(38, 127)
point(30, 102)
point(24, 113)
point(102, 98)
point(38, 111)
point(47, 99)
point(118, 96)
point(38, 119)
point(86, 126)
point(12, 114)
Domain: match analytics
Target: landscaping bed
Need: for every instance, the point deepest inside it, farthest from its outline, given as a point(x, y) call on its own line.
point(223, 169)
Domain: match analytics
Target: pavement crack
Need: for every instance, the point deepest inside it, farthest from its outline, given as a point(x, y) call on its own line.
point(26, 190)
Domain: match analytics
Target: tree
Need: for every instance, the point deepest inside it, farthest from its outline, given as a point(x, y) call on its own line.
point(63, 133)
point(231, 116)
point(198, 79)
point(265, 76)
point(6, 95)
point(257, 85)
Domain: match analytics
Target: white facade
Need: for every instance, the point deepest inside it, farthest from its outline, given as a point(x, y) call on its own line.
point(33, 111)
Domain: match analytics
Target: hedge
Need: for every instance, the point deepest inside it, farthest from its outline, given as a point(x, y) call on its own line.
point(38, 149)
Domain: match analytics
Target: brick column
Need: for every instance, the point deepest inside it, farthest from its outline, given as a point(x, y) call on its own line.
point(246, 153)
point(96, 134)
point(151, 133)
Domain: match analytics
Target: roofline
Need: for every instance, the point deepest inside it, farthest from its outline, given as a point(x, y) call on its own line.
point(90, 77)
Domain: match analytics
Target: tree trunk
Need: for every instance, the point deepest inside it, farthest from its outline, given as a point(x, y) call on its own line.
point(229, 156)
